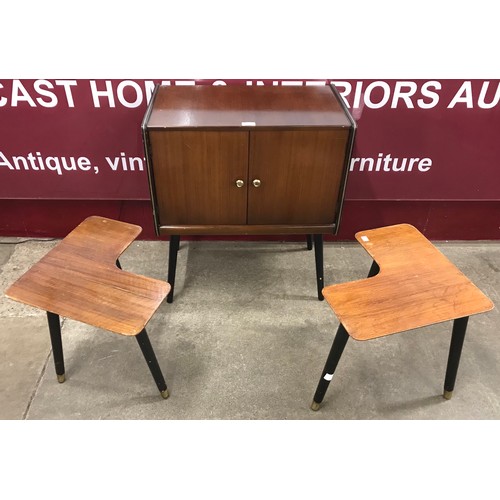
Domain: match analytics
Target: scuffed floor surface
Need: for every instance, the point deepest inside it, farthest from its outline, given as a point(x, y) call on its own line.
point(246, 338)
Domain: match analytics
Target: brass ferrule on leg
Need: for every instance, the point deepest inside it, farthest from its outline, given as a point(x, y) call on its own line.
point(61, 378)
point(447, 394)
point(165, 394)
point(314, 406)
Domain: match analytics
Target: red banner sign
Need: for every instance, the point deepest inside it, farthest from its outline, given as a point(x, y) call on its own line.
point(416, 139)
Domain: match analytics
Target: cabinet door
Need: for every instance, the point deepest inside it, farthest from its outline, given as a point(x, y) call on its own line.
point(195, 174)
point(300, 173)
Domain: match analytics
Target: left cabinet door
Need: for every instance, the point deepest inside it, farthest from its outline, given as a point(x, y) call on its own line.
point(196, 173)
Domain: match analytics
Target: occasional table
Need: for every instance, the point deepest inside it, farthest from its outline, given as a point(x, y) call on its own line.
point(81, 279)
point(411, 284)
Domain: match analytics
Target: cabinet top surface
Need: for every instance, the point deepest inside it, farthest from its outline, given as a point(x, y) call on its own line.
point(244, 107)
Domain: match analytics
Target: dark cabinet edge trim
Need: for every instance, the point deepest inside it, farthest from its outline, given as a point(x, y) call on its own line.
point(149, 160)
point(347, 155)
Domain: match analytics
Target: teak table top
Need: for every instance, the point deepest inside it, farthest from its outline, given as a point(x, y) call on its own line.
point(78, 279)
point(416, 286)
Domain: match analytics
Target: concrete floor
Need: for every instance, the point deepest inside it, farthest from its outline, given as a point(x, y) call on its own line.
point(246, 338)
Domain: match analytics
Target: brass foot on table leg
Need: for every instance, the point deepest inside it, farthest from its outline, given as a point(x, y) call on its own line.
point(165, 394)
point(314, 406)
point(447, 394)
point(61, 378)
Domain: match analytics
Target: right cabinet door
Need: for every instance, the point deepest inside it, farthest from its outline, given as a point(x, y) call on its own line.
point(295, 175)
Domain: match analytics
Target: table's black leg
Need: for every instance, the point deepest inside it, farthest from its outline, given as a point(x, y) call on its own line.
point(374, 269)
point(331, 364)
point(118, 265)
point(457, 341)
point(172, 264)
point(154, 367)
point(56, 341)
point(309, 241)
point(318, 255)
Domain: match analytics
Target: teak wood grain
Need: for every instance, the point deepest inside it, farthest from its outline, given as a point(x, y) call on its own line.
point(200, 140)
point(300, 173)
point(218, 106)
point(195, 176)
point(78, 279)
point(416, 286)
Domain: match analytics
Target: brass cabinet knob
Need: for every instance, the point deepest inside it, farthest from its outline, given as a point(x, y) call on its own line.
point(240, 183)
point(256, 182)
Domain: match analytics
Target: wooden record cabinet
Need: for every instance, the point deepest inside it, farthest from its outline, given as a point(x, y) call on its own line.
point(246, 160)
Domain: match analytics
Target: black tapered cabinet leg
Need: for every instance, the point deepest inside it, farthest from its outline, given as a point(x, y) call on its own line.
point(318, 255)
point(154, 367)
point(309, 241)
point(56, 341)
point(330, 366)
point(457, 342)
point(173, 249)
